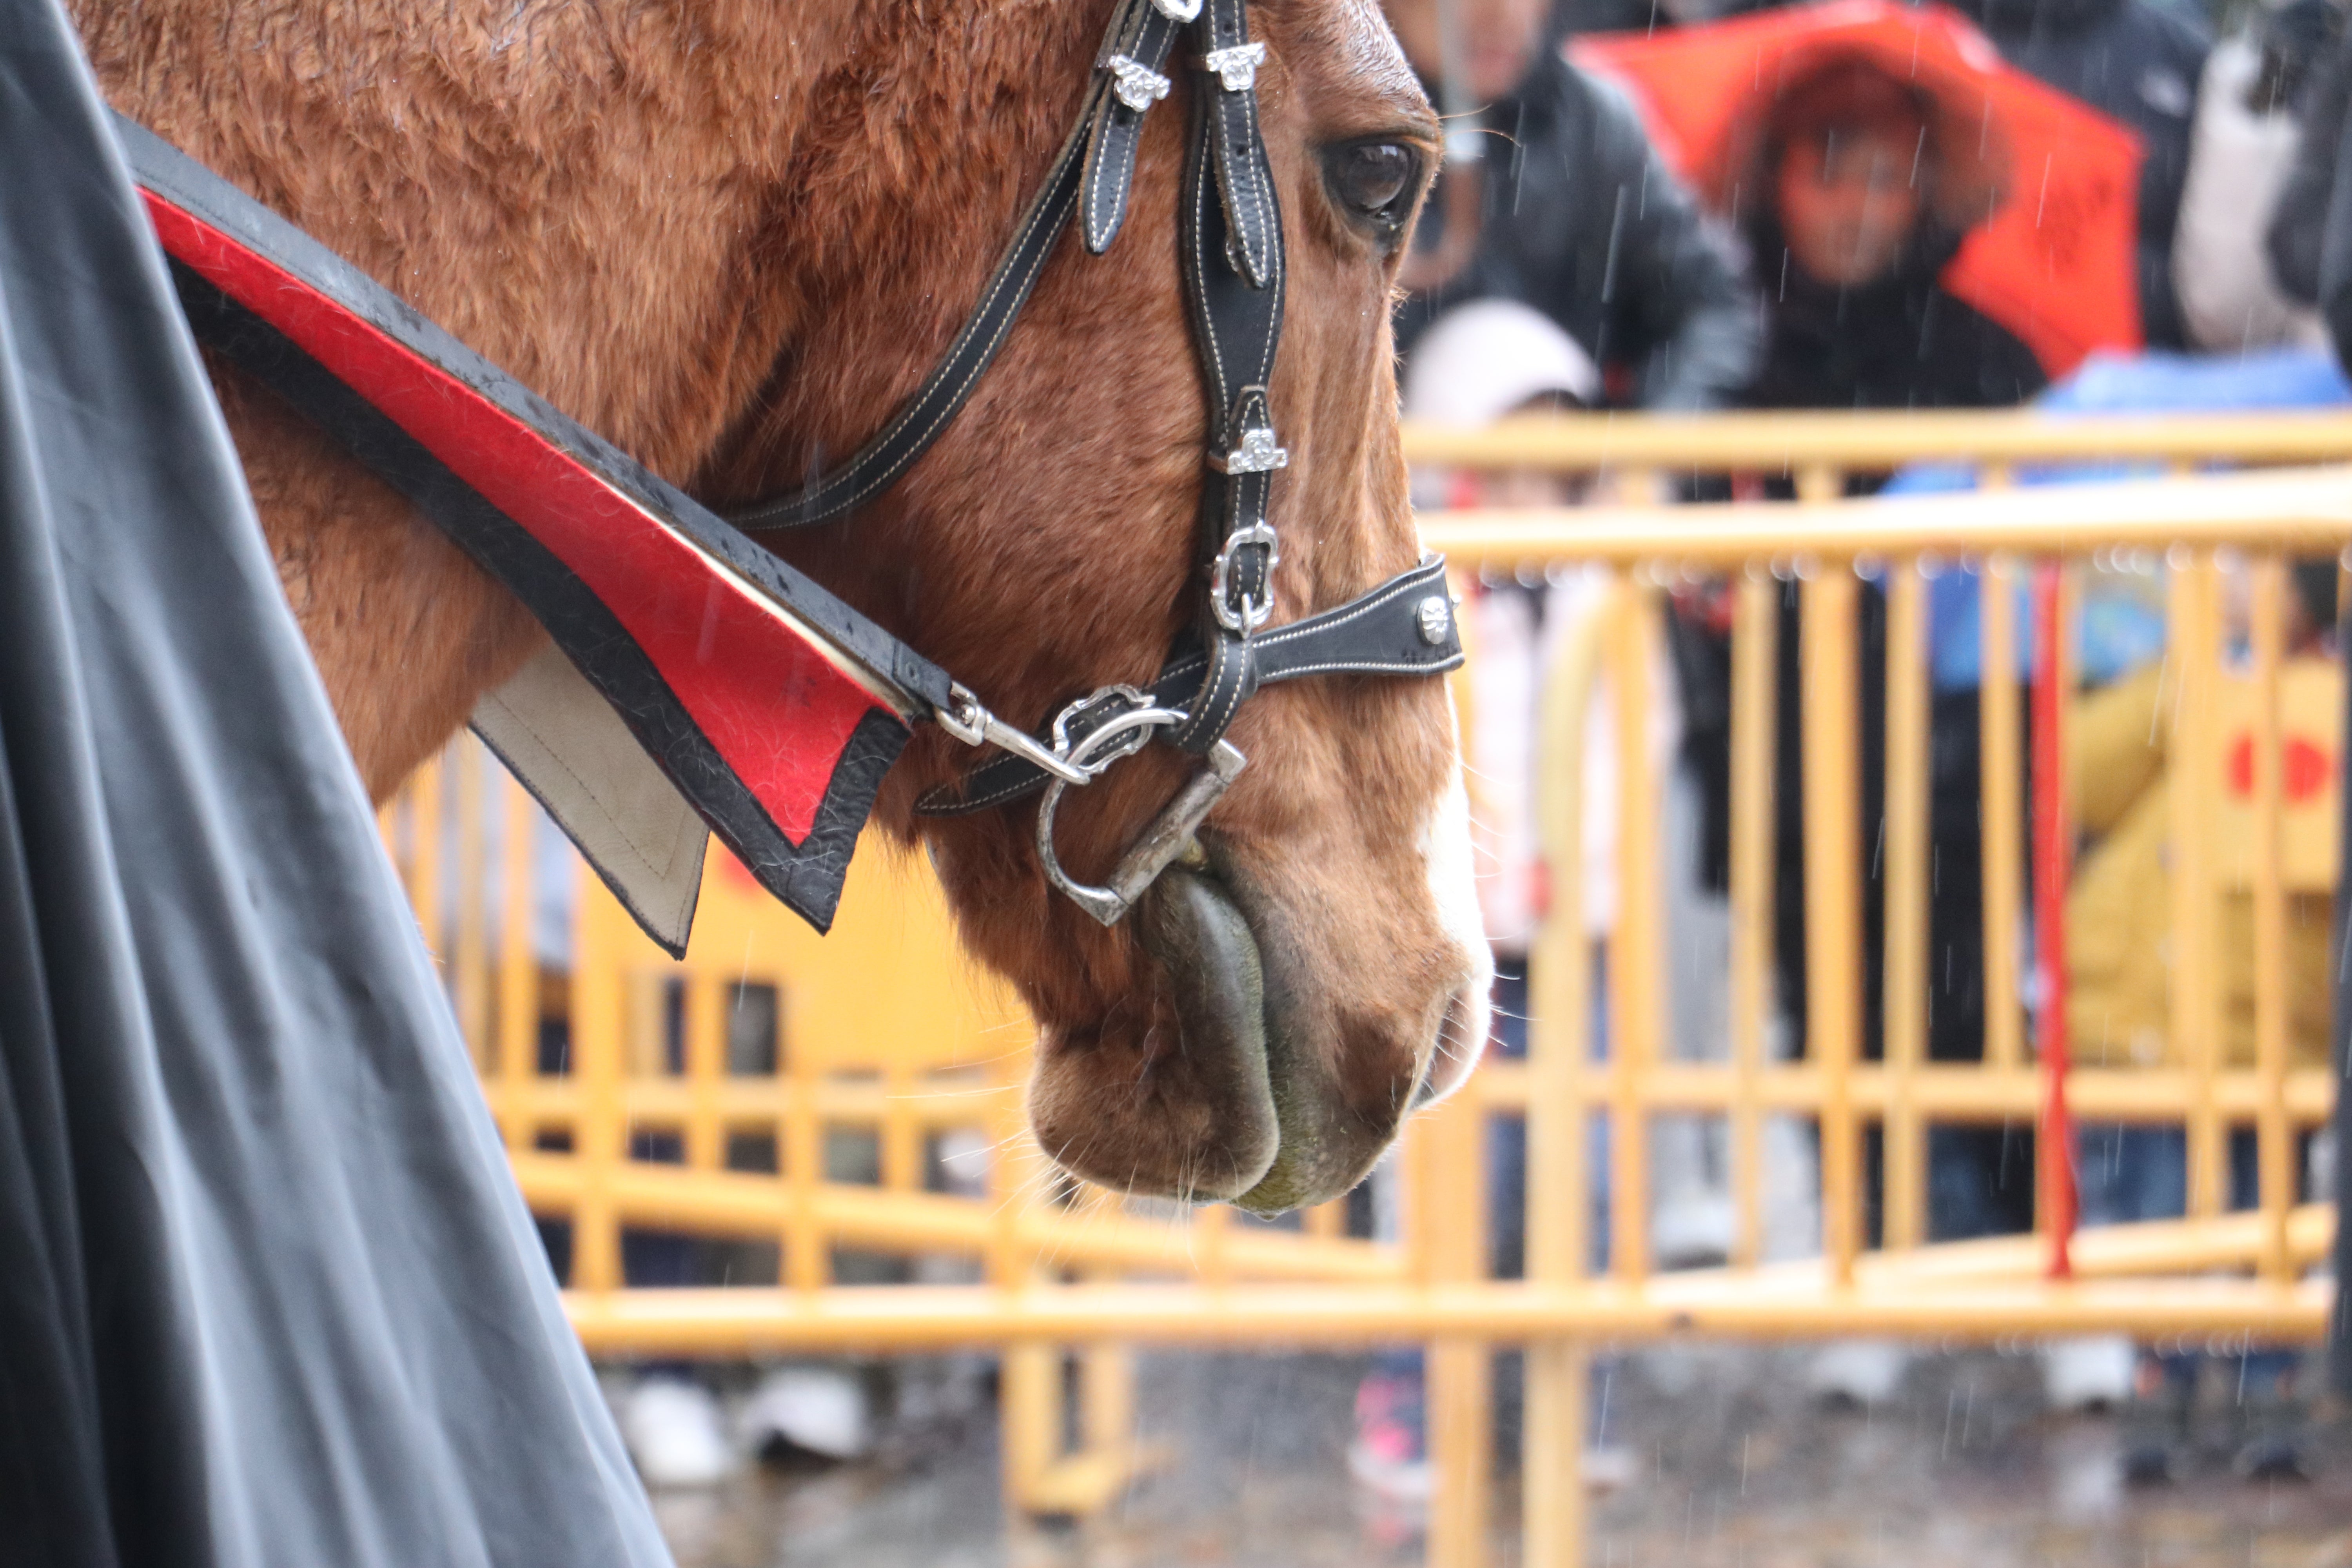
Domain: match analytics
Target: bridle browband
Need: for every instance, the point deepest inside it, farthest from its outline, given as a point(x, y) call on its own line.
point(686, 627)
point(1232, 263)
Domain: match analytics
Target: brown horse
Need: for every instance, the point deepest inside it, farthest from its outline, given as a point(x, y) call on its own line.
point(730, 237)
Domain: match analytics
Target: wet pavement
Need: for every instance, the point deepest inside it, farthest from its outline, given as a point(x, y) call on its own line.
point(1719, 1456)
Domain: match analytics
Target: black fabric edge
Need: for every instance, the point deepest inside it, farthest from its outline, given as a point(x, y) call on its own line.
point(205, 196)
point(807, 878)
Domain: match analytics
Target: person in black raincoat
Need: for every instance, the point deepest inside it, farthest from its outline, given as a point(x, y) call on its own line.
point(1568, 209)
point(2139, 62)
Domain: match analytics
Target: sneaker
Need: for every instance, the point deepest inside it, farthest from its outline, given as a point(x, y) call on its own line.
point(1857, 1373)
point(674, 1432)
point(2092, 1373)
point(2271, 1459)
point(819, 1410)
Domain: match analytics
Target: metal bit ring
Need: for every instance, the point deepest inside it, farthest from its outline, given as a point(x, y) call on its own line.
point(1161, 843)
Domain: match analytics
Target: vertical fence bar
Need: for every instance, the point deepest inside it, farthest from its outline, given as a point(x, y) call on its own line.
point(1029, 1404)
point(707, 1006)
point(2273, 1138)
point(600, 1138)
point(1031, 1414)
point(424, 869)
point(1461, 1404)
point(2195, 1012)
point(1552, 1467)
point(2340, 1315)
point(1560, 1117)
point(2053, 859)
point(1905, 1148)
point(1755, 664)
point(902, 1136)
point(1831, 675)
point(808, 1264)
point(471, 972)
point(1635, 967)
point(518, 960)
point(1450, 1207)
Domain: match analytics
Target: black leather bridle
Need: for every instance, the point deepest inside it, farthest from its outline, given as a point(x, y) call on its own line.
point(1232, 263)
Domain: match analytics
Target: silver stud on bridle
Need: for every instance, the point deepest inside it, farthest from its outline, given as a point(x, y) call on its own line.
point(1137, 84)
point(1260, 452)
point(1236, 68)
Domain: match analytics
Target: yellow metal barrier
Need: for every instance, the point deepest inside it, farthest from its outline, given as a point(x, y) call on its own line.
point(818, 1096)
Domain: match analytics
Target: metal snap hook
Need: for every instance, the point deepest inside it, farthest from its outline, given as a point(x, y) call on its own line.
point(1161, 843)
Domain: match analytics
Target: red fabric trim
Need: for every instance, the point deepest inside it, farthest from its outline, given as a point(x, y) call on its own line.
point(772, 704)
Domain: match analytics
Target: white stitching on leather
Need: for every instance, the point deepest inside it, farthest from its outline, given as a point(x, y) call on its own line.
point(1358, 667)
point(1420, 578)
point(816, 506)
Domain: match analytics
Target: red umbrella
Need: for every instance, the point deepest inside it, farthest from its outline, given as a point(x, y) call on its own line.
point(2054, 263)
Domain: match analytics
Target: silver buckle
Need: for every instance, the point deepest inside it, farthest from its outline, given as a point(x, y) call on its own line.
point(975, 725)
point(1159, 844)
point(1235, 65)
point(1257, 454)
point(1176, 10)
point(1126, 698)
point(1255, 612)
point(1137, 84)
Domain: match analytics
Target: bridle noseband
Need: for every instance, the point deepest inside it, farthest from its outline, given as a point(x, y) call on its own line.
point(1232, 263)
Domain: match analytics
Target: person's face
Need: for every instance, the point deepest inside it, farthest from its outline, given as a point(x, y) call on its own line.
point(1498, 39)
point(1847, 203)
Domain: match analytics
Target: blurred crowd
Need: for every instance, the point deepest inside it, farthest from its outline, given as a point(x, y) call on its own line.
point(1694, 205)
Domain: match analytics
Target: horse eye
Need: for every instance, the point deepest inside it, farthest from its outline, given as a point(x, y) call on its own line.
point(1374, 182)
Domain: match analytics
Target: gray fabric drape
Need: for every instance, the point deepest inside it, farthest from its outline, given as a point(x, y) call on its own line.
point(268, 1294)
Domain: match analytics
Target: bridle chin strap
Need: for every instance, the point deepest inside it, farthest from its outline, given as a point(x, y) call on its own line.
point(1232, 262)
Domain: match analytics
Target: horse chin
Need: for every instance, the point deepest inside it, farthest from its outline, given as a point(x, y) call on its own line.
point(1239, 1107)
point(1198, 1123)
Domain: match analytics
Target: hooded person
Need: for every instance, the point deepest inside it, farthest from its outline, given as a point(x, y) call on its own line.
point(1856, 191)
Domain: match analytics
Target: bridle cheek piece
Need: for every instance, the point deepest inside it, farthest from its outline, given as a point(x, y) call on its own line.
point(1231, 267)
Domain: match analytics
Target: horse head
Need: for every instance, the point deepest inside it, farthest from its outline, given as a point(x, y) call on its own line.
point(732, 239)
point(1261, 1025)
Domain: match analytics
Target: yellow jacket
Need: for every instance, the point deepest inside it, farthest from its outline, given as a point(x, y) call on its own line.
point(2119, 908)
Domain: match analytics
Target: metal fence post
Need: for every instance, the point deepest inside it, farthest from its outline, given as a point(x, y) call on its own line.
point(2339, 1322)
